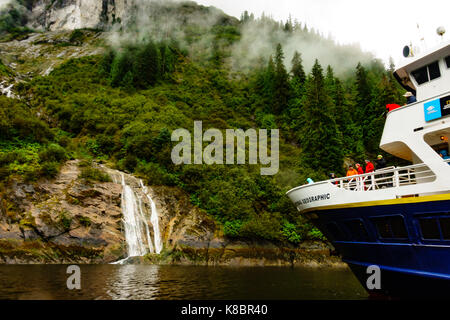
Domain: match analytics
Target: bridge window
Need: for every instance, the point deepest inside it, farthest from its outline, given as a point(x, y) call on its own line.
point(421, 75)
point(391, 227)
point(434, 70)
point(427, 73)
point(447, 61)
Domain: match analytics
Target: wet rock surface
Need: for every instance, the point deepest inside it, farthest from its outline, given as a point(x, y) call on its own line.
point(79, 218)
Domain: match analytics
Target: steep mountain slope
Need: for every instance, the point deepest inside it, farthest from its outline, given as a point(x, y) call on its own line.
point(115, 95)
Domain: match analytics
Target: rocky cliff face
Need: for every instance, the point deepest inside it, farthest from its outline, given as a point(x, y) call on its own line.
point(161, 17)
point(69, 219)
point(77, 14)
point(63, 220)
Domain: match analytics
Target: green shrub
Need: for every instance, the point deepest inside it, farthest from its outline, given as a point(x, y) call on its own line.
point(315, 234)
point(85, 221)
point(53, 153)
point(65, 220)
point(31, 173)
point(265, 226)
point(76, 37)
point(94, 174)
point(232, 228)
point(155, 174)
point(49, 169)
point(4, 173)
point(289, 231)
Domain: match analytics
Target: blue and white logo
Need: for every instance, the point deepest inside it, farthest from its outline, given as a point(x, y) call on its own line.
point(432, 110)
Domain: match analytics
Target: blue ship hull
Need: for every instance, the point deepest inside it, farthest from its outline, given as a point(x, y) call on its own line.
point(409, 242)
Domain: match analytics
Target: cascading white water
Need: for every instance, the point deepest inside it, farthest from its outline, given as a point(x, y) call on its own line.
point(147, 231)
point(135, 213)
point(153, 219)
point(132, 221)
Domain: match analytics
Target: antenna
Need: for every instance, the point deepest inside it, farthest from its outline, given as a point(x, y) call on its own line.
point(421, 37)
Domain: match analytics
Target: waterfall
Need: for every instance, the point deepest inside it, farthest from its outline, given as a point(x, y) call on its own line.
point(153, 219)
point(132, 221)
point(135, 219)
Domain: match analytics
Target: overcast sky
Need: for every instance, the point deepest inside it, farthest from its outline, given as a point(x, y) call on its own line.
point(383, 27)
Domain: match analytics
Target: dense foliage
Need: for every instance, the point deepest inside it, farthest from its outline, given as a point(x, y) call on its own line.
point(122, 107)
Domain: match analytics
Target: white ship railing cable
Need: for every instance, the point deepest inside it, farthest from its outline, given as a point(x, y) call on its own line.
point(390, 177)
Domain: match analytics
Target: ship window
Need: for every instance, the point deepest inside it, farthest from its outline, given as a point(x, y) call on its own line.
point(383, 227)
point(357, 230)
point(335, 231)
point(421, 75)
point(445, 227)
point(434, 70)
point(447, 61)
point(392, 227)
point(429, 229)
point(427, 73)
point(398, 227)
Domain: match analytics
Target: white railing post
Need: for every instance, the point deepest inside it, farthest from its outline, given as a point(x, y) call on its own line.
point(372, 180)
point(396, 179)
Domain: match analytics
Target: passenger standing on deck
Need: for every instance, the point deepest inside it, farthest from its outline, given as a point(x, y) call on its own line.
point(444, 155)
point(410, 98)
point(332, 176)
point(352, 184)
point(380, 162)
point(359, 169)
point(369, 166)
point(351, 171)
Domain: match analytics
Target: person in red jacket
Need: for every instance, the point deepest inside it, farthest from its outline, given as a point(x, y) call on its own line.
point(359, 169)
point(369, 166)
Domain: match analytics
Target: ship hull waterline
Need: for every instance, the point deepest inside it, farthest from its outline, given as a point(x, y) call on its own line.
point(408, 242)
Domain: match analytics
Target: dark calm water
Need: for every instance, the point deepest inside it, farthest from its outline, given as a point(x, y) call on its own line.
point(178, 282)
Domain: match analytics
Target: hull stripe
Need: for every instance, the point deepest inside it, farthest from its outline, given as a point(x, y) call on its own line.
point(437, 197)
point(401, 270)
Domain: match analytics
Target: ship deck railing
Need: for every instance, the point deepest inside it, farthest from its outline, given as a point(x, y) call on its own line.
point(390, 177)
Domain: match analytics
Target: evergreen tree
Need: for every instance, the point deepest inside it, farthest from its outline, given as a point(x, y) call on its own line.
point(245, 17)
point(363, 114)
point(288, 27)
point(353, 143)
point(281, 82)
point(363, 91)
point(121, 64)
point(298, 78)
point(321, 146)
point(385, 92)
point(297, 71)
point(329, 78)
point(269, 85)
point(147, 66)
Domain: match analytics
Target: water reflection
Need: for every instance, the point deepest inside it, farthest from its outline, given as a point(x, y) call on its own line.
point(134, 282)
point(178, 282)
